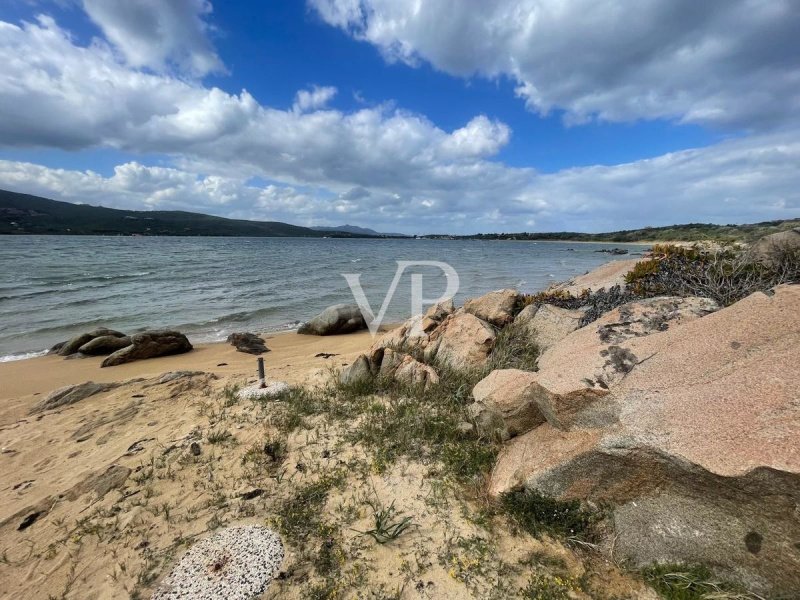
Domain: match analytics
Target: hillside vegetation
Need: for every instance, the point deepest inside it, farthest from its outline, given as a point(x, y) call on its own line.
point(26, 214)
point(690, 232)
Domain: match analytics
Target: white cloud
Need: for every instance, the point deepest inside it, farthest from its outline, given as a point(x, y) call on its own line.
point(56, 94)
point(313, 99)
point(729, 64)
point(378, 166)
point(480, 137)
point(737, 181)
point(159, 33)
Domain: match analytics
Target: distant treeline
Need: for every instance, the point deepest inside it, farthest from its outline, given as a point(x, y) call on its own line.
point(690, 232)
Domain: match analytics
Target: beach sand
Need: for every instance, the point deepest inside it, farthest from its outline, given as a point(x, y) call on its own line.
point(291, 359)
point(102, 497)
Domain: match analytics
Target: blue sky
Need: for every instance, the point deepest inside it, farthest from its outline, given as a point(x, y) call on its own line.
point(516, 115)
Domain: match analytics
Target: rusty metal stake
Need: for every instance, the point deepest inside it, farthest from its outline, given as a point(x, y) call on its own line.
point(262, 378)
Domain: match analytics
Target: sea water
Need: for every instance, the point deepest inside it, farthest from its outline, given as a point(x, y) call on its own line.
point(54, 287)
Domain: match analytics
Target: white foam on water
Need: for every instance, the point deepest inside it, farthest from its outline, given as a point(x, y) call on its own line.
point(21, 356)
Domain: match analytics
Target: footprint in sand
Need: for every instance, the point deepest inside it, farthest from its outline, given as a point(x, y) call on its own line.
point(43, 464)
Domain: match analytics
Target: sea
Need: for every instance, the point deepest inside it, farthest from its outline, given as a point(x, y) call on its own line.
point(55, 287)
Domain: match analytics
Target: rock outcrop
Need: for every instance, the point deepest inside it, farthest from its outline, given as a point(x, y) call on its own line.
point(576, 373)
point(686, 426)
point(505, 404)
point(104, 344)
point(84, 340)
point(498, 308)
point(390, 364)
point(249, 343)
point(150, 344)
point(70, 395)
point(461, 340)
point(768, 247)
point(548, 324)
point(335, 320)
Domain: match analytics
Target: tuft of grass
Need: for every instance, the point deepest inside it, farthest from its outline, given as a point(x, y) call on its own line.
point(537, 514)
point(230, 395)
point(423, 424)
point(300, 515)
point(514, 348)
point(219, 436)
point(547, 587)
point(389, 523)
point(262, 456)
point(695, 582)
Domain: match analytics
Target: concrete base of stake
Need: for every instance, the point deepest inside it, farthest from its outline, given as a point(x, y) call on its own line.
point(273, 389)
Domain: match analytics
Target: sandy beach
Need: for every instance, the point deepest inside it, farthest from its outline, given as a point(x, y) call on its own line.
point(292, 358)
point(101, 497)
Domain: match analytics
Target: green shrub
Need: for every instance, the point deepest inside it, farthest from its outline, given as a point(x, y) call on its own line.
point(726, 275)
point(537, 514)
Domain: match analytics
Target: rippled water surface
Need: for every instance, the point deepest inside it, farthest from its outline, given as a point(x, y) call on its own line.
point(52, 287)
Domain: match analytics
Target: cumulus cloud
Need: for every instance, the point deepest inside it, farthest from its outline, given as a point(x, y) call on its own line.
point(742, 180)
point(135, 186)
point(54, 93)
point(728, 64)
point(313, 99)
point(377, 166)
point(159, 33)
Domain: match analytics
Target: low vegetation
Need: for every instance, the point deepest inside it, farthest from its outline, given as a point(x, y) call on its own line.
point(696, 582)
point(538, 514)
point(726, 274)
point(690, 232)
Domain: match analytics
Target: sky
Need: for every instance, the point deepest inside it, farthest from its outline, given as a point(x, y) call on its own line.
point(408, 116)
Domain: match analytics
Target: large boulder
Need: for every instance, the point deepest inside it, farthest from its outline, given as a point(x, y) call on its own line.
point(249, 343)
point(697, 453)
point(104, 344)
point(75, 344)
point(461, 340)
point(359, 370)
point(548, 324)
point(334, 320)
point(505, 403)
point(150, 344)
point(498, 308)
point(71, 346)
point(389, 364)
point(770, 247)
point(412, 372)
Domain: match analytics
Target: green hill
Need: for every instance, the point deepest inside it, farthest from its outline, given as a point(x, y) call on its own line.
point(691, 232)
point(26, 214)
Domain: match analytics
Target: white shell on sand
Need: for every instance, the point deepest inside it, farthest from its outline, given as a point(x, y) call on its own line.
point(236, 563)
point(252, 392)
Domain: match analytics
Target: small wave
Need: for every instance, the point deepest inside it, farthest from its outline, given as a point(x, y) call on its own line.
point(21, 356)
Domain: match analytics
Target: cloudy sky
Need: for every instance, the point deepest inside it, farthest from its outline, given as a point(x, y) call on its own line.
point(402, 115)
